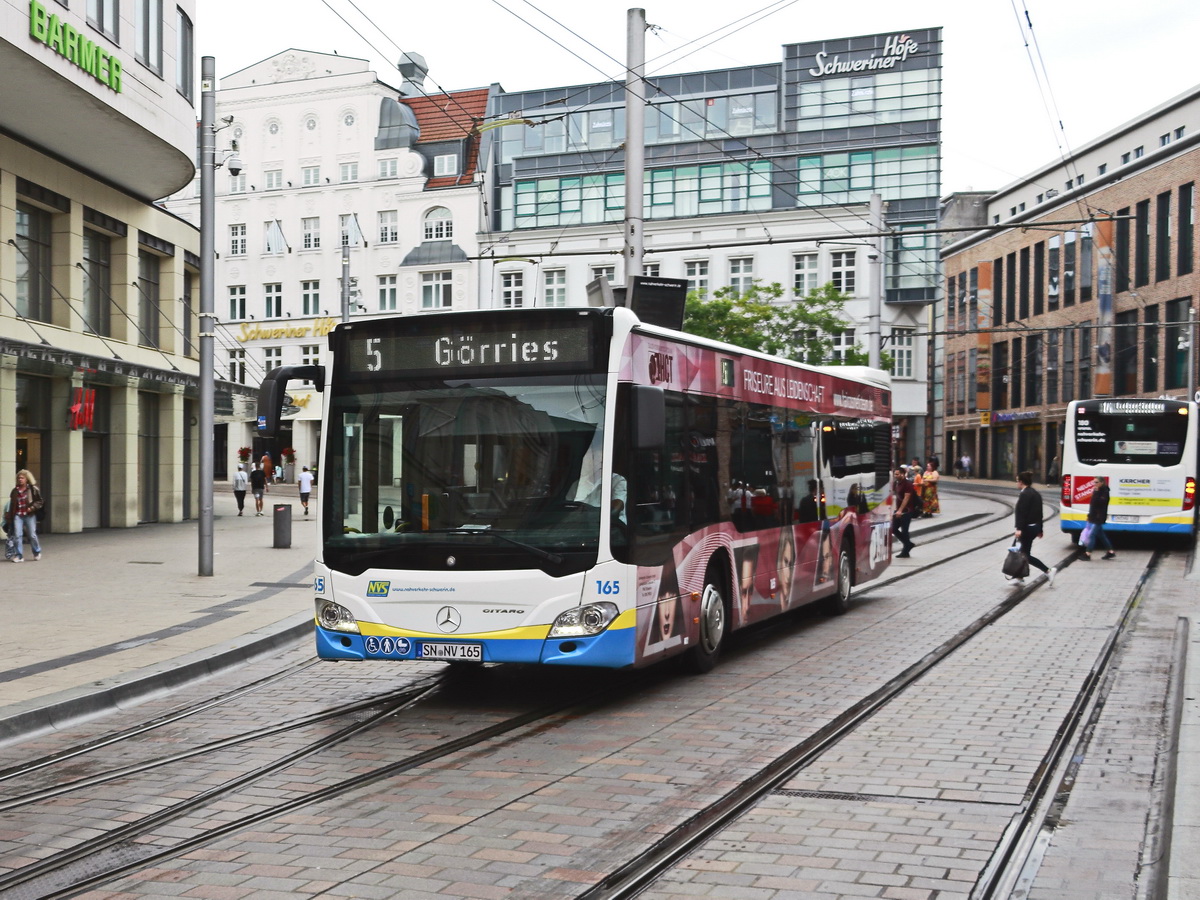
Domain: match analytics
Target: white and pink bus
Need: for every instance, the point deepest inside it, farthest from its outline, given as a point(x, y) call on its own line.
point(573, 486)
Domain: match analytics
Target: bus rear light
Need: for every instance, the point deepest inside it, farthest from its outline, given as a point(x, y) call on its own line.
point(1066, 490)
point(1189, 492)
point(584, 621)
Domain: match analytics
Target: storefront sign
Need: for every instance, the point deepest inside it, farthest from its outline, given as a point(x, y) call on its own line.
point(76, 48)
point(896, 49)
point(83, 409)
point(998, 418)
point(253, 332)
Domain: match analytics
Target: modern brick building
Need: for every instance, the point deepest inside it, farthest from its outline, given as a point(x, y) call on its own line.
point(1079, 282)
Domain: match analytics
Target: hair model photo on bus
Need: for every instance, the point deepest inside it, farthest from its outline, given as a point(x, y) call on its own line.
point(1145, 450)
point(574, 486)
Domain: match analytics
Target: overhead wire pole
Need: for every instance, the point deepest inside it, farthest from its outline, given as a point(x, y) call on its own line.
point(875, 283)
point(635, 142)
point(208, 144)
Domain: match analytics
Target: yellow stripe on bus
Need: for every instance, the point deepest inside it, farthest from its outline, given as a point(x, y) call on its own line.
point(626, 619)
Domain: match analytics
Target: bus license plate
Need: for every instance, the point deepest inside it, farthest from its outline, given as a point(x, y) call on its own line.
point(1127, 520)
point(468, 652)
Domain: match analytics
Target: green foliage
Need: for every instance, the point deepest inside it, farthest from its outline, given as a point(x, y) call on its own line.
point(761, 319)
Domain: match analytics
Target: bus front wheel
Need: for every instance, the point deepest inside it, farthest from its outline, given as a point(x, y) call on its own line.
point(714, 623)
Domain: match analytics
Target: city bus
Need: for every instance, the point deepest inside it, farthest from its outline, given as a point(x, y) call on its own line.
point(573, 486)
point(1148, 452)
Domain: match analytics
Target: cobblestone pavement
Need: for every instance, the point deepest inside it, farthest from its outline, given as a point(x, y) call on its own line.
point(908, 807)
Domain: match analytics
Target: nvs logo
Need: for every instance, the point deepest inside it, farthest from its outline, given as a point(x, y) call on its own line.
point(661, 367)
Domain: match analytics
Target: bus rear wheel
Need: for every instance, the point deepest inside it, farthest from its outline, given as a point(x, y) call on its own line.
point(839, 603)
point(714, 623)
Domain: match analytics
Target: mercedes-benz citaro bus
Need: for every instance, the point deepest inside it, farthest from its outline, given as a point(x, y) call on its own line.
point(572, 486)
point(1146, 449)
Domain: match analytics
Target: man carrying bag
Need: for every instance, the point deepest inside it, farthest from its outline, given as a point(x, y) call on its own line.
point(1028, 527)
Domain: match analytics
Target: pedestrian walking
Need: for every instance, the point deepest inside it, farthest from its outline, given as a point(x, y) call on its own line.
point(241, 481)
point(930, 505)
point(258, 484)
point(20, 516)
point(904, 498)
point(964, 466)
point(304, 481)
point(1097, 516)
point(1028, 524)
point(268, 465)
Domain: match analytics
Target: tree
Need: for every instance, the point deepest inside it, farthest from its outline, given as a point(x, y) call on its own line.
point(803, 330)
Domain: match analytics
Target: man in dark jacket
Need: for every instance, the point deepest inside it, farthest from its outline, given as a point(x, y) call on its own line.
point(904, 496)
point(1097, 516)
point(1028, 524)
point(258, 484)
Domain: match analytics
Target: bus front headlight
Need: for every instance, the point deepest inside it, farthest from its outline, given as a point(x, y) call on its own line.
point(584, 621)
point(335, 617)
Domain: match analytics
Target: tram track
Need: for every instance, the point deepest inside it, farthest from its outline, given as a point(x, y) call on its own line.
point(1009, 861)
point(130, 848)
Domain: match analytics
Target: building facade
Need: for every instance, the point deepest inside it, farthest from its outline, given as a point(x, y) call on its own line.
point(1080, 281)
point(98, 343)
point(343, 173)
point(760, 173)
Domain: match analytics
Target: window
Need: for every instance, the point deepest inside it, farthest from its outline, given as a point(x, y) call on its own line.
point(1175, 352)
point(696, 271)
point(348, 172)
point(435, 290)
point(650, 270)
point(273, 241)
point(103, 15)
point(237, 184)
point(273, 295)
point(149, 298)
point(512, 289)
point(1141, 243)
point(1150, 350)
point(608, 273)
point(554, 287)
point(1162, 237)
point(741, 274)
point(237, 240)
point(1139, 152)
point(310, 297)
point(310, 355)
point(185, 61)
point(387, 293)
point(1125, 157)
point(272, 359)
point(149, 23)
point(389, 226)
point(804, 274)
point(33, 262)
point(1180, 132)
point(237, 366)
point(1187, 229)
point(237, 302)
point(445, 165)
point(841, 270)
point(843, 343)
point(903, 341)
point(1164, 139)
point(274, 179)
point(310, 175)
point(439, 226)
point(97, 281)
point(1102, 168)
point(388, 168)
point(310, 226)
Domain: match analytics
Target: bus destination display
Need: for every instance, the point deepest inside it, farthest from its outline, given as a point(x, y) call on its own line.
point(486, 349)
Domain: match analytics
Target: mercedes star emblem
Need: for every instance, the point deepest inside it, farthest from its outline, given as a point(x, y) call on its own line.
point(448, 619)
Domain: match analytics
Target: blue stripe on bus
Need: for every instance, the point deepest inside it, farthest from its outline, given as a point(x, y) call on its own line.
point(1155, 527)
point(612, 649)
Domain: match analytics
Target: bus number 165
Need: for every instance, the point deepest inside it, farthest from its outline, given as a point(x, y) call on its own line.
point(608, 587)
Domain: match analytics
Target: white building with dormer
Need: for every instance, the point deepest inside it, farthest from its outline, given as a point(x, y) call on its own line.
point(335, 161)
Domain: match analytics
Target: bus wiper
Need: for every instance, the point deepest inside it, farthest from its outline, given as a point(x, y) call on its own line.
point(536, 551)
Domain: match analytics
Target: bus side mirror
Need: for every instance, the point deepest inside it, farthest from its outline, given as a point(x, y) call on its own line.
point(649, 408)
point(272, 394)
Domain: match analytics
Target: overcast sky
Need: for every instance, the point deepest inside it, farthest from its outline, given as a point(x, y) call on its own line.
point(1105, 61)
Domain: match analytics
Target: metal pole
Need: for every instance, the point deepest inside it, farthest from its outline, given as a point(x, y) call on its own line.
point(635, 142)
point(208, 206)
point(346, 282)
point(875, 282)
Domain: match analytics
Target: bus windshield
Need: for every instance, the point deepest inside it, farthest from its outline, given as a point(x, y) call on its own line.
point(1150, 440)
point(498, 473)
